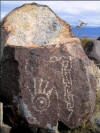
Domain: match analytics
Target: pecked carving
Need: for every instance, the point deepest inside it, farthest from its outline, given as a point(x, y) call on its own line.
point(45, 73)
point(66, 71)
point(53, 86)
point(41, 100)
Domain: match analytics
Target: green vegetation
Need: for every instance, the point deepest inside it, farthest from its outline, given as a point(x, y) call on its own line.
point(84, 41)
point(78, 27)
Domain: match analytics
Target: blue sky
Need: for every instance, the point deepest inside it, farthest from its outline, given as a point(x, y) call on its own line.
point(70, 11)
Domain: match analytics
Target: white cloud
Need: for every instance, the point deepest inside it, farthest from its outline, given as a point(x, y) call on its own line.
point(92, 21)
point(3, 14)
point(73, 7)
point(71, 10)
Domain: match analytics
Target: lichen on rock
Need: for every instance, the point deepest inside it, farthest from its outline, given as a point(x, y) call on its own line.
point(45, 73)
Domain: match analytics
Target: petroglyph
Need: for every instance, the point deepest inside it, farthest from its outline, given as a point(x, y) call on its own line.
point(43, 89)
point(45, 65)
point(66, 63)
point(41, 100)
point(55, 59)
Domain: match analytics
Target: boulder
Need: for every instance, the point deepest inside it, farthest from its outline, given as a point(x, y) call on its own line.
point(46, 77)
point(98, 38)
point(1, 113)
point(3, 128)
point(93, 124)
point(95, 119)
point(46, 85)
point(92, 49)
point(34, 24)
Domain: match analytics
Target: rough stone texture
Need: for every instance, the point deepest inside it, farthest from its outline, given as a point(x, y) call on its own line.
point(92, 49)
point(3, 128)
point(45, 74)
point(98, 38)
point(34, 24)
point(1, 113)
point(95, 119)
point(93, 124)
point(46, 85)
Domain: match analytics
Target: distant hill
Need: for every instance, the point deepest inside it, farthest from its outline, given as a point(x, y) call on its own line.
point(90, 32)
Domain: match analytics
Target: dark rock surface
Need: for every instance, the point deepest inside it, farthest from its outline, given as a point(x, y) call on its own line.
point(92, 49)
point(45, 85)
point(98, 38)
point(34, 24)
point(46, 78)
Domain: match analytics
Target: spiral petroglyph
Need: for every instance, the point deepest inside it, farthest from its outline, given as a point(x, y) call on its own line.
point(41, 98)
point(43, 88)
point(46, 77)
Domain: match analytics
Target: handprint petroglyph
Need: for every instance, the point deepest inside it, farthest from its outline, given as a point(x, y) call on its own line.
point(42, 94)
point(43, 88)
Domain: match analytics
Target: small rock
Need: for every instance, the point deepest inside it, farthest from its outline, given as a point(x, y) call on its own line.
point(5, 128)
point(92, 49)
point(98, 38)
